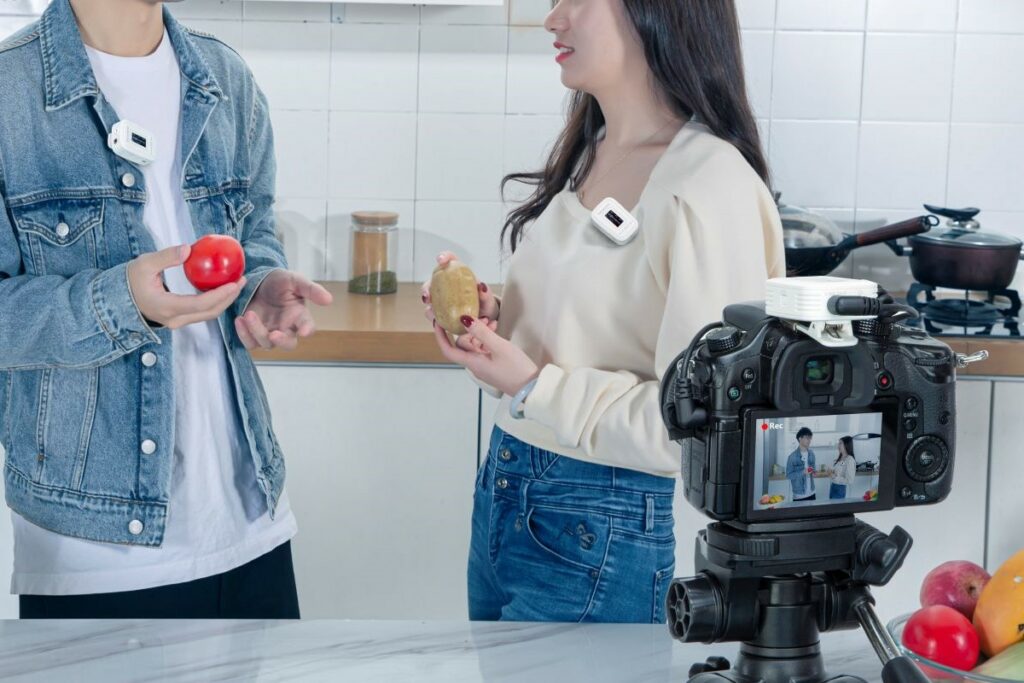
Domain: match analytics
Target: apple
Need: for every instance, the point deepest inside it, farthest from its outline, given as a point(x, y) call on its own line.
point(956, 584)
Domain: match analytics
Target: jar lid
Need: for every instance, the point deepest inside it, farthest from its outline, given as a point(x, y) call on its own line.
point(375, 218)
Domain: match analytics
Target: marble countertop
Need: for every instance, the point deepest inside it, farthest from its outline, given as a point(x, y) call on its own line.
point(367, 651)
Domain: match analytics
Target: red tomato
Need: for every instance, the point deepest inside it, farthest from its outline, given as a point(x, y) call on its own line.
point(944, 636)
point(215, 260)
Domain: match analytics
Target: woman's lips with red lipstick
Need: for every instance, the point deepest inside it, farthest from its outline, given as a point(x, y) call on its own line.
point(564, 52)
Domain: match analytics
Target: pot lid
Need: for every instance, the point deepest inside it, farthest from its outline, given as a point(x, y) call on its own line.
point(979, 239)
point(804, 229)
point(964, 230)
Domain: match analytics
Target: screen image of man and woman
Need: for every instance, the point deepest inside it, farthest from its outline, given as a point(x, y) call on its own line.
point(816, 460)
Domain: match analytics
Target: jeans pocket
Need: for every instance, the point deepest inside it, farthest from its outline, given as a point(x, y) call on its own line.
point(577, 538)
point(662, 580)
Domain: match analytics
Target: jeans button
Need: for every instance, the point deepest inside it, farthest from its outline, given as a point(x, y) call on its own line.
point(149, 447)
point(135, 527)
point(506, 454)
point(128, 180)
point(502, 483)
point(149, 359)
point(63, 230)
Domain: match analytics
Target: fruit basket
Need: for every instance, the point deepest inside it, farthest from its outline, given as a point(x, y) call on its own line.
point(983, 673)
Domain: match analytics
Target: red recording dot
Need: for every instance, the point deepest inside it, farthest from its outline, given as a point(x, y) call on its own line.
point(764, 426)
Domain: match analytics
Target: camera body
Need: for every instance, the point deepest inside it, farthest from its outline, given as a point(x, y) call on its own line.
point(738, 397)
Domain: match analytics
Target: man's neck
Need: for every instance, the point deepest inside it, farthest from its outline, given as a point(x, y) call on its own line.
point(124, 28)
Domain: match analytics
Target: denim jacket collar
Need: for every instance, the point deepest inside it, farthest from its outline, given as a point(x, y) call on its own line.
point(67, 74)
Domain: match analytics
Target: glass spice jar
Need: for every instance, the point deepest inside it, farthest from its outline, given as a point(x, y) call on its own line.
point(374, 248)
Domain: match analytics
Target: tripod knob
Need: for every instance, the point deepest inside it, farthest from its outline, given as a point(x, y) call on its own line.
point(711, 665)
point(695, 609)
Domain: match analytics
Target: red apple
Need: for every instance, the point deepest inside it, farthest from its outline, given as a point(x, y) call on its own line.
point(955, 584)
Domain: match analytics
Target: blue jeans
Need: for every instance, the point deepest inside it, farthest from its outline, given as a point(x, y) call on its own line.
point(558, 539)
point(836, 491)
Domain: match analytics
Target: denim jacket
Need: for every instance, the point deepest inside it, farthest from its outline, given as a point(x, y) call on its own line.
point(86, 385)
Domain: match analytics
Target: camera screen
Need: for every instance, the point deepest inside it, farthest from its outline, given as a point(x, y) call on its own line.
point(814, 461)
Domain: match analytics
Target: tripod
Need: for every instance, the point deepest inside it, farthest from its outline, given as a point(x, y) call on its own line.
point(776, 586)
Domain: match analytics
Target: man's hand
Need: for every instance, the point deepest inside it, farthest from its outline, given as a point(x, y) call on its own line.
point(145, 278)
point(277, 315)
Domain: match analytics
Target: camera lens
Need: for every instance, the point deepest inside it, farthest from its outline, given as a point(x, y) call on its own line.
point(819, 370)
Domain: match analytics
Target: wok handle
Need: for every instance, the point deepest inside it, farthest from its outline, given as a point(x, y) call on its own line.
point(913, 226)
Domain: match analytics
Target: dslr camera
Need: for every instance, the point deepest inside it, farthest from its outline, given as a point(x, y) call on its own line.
point(794, 414)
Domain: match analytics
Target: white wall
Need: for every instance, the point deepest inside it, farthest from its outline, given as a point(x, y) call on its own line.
point(870, 107)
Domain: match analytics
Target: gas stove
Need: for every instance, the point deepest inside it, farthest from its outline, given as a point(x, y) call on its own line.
point(951, 313)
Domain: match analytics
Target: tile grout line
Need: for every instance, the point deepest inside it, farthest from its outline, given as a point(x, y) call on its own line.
point(416, 143)
point(952, 100)
point(860, 132)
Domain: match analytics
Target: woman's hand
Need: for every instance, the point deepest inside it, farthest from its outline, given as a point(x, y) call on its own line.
point(491, 358)
point(489, 307)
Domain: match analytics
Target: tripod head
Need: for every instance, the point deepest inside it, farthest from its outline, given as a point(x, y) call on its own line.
point(776, 586)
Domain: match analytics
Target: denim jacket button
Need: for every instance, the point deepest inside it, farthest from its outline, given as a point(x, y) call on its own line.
point(135, 527)
point(63, 230)
point(506, 454)
point(149, 447)
point(128, 180)
point(502, 483)
point(149, 359)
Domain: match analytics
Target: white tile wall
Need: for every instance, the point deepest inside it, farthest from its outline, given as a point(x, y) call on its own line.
point(908, 77)
point(817, 75)
point(839, 15)
point(869, 108)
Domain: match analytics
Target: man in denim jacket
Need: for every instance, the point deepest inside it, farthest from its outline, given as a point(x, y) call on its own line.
point(141, 466)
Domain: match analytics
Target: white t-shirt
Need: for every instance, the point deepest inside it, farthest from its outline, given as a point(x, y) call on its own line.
point(217, 517)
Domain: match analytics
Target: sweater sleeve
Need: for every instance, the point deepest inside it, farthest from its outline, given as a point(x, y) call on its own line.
point(714, 252)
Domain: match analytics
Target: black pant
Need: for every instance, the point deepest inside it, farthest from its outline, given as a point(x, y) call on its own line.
point(261, 589)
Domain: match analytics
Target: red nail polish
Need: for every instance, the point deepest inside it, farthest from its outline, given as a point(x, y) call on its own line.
point(466, 321)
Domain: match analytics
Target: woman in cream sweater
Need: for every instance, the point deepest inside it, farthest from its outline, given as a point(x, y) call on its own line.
point(572, 512)
point(843, 470)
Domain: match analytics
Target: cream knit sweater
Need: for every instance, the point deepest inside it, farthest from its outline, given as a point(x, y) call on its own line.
point(603, 322)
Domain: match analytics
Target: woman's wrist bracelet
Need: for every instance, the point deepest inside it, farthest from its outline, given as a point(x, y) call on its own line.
point(515, 408)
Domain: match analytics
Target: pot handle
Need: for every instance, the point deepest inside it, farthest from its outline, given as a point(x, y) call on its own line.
point(913, 226)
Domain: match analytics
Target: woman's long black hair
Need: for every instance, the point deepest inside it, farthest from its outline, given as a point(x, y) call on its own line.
point(693, 49)
point(847, 442)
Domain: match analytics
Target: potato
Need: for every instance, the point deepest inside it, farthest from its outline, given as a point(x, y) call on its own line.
point(453, 294)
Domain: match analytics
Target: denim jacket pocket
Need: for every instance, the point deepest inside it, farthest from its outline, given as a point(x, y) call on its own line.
point(238, 208)
point(59, 236)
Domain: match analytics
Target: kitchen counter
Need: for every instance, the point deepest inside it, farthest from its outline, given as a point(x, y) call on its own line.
point(366, 651)
point(391, 328)
point(824, 475)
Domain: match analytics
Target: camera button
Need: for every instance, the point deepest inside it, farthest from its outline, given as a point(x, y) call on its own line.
point(926, 459)
point(749, 375)
point(884, 380)
point(906, 492)
point(910, 424)
point(911, 403)
point(734, 393)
